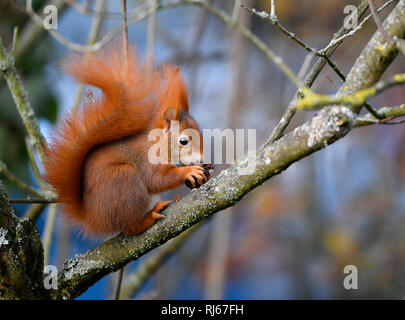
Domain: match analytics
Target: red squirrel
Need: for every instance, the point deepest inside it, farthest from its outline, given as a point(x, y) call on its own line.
point(97, 161)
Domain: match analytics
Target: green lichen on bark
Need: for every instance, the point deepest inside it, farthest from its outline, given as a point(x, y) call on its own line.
point(21, 256)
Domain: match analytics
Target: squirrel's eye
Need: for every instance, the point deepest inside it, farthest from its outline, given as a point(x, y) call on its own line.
point(183, 141)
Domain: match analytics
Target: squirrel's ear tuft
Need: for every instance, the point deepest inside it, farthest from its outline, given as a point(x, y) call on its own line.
point(173, 90)
point(169, 114)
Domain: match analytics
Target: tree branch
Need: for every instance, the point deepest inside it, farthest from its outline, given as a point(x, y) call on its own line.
point(20, 99)
point(386, 113)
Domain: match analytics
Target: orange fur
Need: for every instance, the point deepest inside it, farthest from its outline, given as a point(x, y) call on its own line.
point(90, 159)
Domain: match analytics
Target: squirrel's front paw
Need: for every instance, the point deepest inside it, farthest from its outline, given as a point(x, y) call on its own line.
point(195, 176)
point(199, 176)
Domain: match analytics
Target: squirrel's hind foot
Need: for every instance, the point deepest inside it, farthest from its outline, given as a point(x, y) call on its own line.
point(154, 215)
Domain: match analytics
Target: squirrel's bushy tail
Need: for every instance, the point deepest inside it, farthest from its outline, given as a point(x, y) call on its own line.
point(126, 107)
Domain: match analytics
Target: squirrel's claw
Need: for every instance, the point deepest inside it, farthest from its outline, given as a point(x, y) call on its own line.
point(200, 175)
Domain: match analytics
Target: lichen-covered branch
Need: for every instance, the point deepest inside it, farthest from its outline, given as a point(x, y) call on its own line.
point(21, 256)
point(392, 42)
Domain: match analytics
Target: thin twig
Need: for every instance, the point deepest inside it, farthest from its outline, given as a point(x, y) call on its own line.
point(151, 33)
point(15, 41)
point(387, 114)
point(103, 13)
point(93, 36)
point(119, 284)
point(33, 200)
point(126, 48)
point(35, 210)
point(19, 183)
point(272, 17)
point(332, 82)
point(35, 169)
point(48, 232)
point(124, 29)
point(236, 10)
point(305, 65)
point(364, 122)
point(272, 8)
point(314, 100)
point(374, 112)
